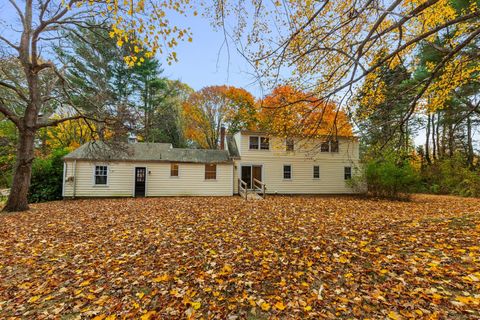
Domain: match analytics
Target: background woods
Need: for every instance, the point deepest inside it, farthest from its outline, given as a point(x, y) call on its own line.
point(403, 76)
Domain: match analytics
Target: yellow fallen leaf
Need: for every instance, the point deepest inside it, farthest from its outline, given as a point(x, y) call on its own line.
point(148, 315)
point(227, 268)
point(395, 316)
point(99, 317)
point(265, 306)
point(468, 300)
point(196, 305)
point(280, 306)
point(307, 308)
point(343, 259)
point(437, 296)
point(111, 317)
point(471, 278)
point(34, 298)
point(161, 278)
point(85, 283)
point(140, 295)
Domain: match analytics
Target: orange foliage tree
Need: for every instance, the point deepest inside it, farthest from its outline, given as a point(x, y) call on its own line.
point(289, 112)
point(210, 108)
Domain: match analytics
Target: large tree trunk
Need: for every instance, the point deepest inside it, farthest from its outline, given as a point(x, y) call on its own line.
point(17, 201)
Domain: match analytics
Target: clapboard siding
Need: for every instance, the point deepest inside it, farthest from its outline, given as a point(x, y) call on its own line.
point(302, 160)
point(191, 180)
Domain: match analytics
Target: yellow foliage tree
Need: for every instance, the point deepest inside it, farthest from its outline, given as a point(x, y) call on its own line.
point(207, 110)
point(289, 112)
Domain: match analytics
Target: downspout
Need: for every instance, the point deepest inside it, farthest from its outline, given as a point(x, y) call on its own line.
point(74, 177)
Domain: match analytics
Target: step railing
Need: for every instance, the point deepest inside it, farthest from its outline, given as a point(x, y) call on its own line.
point(259, 188)
point(242, 188)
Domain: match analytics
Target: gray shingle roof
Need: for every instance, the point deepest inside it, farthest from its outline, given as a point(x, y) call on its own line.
point(101, 151)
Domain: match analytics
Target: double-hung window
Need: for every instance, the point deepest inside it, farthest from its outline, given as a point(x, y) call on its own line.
point(347, 173)
point(329, 146)
point(287, 172)
point(316, 172)
point(258, 143)
point(101, 175)
point(334, 146)
point(254, 143)
point(210, 171)
point(325, 147)
point(289, 144)
point(264, 143)
point(174, 170)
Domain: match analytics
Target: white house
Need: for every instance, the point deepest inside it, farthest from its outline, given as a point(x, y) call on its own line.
point(251, 160)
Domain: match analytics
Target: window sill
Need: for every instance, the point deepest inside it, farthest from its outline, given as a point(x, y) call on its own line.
point(100, 186)
point(210, 180)
point(174, 177)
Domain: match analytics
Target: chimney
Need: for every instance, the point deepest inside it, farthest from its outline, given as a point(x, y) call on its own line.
point(222, 138)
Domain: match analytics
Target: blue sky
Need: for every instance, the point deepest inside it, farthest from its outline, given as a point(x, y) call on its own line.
point(204, 62)
point(197, 66)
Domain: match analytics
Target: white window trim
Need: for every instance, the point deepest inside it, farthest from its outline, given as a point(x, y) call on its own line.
point(286, 145)
point(205, 172)
point(249, 146)
point(291, 172)
point(94, 175)
point(259, 143)
point(178, 169)
point(313, 172)
point(344, 173)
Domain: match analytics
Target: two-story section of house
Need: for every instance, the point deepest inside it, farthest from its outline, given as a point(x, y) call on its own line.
point(294, 165)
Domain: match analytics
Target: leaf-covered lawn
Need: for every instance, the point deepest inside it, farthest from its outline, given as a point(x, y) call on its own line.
point(284, 257)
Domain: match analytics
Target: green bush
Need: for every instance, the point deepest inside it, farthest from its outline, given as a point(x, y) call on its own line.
point(451, 176)
point(47, 177)
point(387, 177)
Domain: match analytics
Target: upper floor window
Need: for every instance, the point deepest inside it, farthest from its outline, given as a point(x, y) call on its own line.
point(101, 175)
point(333, 146)
point(316, 172)
point(287, 171)
point(348, 173)
point(254, 143)
point(325, 147)
point(290, 145)
point(259, 143)
point(174, 170)
point(210, 171)
point(264, 143)
point(329, 146)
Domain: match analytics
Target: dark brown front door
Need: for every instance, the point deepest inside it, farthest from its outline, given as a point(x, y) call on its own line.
point(140, 178)
point(257, 173)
